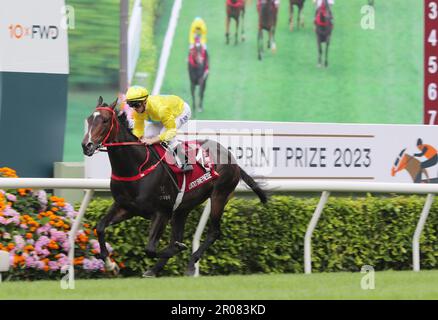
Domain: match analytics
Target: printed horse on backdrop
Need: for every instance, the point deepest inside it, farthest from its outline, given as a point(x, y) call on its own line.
point(412, 165)
point(300, 5)
point(146, 182)
point(198, 72)
point(323, 27)
point(235, 10)
point(267, 11)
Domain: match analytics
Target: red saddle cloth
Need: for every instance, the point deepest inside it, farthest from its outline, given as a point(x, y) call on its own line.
point(203, 166)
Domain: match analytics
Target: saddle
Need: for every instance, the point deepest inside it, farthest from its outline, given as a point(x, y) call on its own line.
point(203, 166)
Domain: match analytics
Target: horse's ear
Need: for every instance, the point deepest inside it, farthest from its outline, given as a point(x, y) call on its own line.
point(113, 105)
point(100, 101)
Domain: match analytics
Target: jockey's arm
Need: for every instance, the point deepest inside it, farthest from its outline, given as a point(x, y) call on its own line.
point(169, 123)
point(422, 153)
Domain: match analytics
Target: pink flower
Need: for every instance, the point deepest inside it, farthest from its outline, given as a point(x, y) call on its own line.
point(11, 197)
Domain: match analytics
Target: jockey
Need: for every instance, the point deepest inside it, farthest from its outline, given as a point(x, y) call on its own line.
point(198, 28)
point(430, 153)
point(164, 114)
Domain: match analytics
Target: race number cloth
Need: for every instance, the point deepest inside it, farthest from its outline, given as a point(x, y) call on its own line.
point(203, 166)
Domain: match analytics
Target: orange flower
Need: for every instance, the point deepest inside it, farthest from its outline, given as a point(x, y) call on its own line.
point(11, 246)
point(29, 235)
point(54, 209)
point(46, 268)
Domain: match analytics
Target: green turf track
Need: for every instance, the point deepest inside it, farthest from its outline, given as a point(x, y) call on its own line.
point(373, 77)
point(388, 285)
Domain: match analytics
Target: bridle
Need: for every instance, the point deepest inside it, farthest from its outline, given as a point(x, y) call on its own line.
point(115, 124)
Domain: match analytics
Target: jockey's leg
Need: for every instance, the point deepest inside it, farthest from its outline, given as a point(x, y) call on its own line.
point(175, 145)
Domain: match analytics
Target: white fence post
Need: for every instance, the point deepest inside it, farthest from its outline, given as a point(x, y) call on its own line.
point(309, 232)
point(199, 229)
point(74, 230)
point(418, 231)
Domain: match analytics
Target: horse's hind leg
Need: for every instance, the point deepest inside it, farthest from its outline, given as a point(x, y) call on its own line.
point(158, 224)
point(114, 215)
point(176, 244)
point(218, 201)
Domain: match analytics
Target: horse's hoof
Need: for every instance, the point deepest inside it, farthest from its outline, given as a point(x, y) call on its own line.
point(111, 266)
point(149, 274)
point(190, 272)
point(181, 246)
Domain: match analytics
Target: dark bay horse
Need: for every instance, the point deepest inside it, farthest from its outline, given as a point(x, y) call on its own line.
point(153, 195)
point(198, 73)
point(324, 27)
point(300, 5)
point(267, 21)
point(235, 10)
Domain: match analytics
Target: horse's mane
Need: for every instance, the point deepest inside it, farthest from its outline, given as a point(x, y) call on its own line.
point(123, 120)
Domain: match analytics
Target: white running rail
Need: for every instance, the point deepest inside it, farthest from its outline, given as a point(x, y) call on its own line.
point(326, 187)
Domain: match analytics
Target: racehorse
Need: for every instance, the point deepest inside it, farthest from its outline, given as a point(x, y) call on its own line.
point(324, 27)
point(142, 185)
point(412, 165)
point(267, 21)
point(300, 5)
point(235, 9)
point(198, 73)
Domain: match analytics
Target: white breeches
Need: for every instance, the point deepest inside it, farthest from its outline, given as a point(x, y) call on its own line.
point(155, 129)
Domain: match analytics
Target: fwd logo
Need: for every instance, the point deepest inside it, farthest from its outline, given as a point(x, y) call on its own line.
point(36, 31)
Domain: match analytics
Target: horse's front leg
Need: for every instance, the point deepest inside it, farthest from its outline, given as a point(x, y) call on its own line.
point(236, 33)
point(301, 18)
point(243, 25)
point(115, 215)
point(291, 17)
point(319, 52)
point(192, 90)
point(260, 44)
point(227, 30)
point(326, 52)
point(201, 92)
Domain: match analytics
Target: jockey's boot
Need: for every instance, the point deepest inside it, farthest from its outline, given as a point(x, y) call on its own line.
point(181, 159)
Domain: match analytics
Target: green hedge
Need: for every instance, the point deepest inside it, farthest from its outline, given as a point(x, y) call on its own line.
point(370, 230)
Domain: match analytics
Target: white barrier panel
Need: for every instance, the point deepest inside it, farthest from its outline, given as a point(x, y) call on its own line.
point(313, 151)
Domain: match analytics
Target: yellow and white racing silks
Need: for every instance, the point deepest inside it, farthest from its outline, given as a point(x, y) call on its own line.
point(160, 109)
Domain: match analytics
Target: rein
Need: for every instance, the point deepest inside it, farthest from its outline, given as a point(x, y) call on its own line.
point(141, 173)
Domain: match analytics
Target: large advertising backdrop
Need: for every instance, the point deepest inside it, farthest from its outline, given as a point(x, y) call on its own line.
point(33, 85)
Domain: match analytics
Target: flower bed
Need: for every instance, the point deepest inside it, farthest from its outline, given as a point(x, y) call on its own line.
point(34, 230)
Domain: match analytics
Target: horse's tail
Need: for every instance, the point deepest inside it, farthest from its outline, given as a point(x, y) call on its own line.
point(253, 185)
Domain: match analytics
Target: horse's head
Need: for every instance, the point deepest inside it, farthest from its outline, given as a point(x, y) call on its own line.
point(102, 127)
point(196, 53)
point(400, 163)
